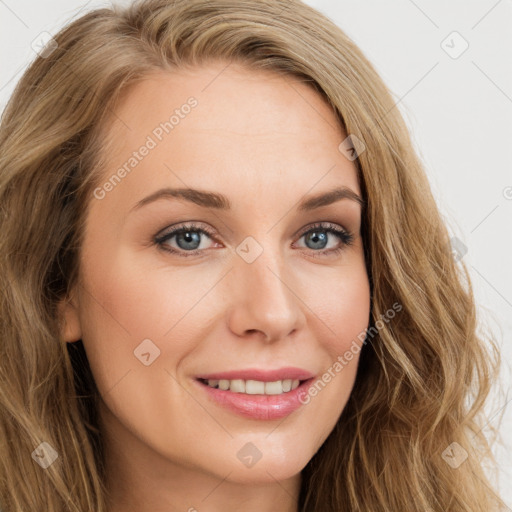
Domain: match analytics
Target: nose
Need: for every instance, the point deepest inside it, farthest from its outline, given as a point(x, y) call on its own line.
point(263, 301)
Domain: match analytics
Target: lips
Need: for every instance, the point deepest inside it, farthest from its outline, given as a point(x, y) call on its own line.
point(258, 406)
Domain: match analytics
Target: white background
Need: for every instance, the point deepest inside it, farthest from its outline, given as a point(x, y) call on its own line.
point(459, 111)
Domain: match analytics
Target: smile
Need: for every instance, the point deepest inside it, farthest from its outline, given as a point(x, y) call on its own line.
point(254, 387)
point(257, 394)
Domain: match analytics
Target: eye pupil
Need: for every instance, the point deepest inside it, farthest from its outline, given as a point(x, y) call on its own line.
point(315, 236)
point(189, 237)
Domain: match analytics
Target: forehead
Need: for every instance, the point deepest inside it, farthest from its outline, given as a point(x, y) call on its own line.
point(229, 96)
point(226, 127)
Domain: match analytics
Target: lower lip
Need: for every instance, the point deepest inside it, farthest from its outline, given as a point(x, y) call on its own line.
point(259, 407)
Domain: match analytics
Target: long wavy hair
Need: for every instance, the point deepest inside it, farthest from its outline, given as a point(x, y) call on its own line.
point(423, 378)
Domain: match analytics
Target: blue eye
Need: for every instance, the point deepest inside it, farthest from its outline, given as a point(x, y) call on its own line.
point(188, 239)
point(318, 235)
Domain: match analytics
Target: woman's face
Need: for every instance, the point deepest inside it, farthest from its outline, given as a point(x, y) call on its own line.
point(255, 290)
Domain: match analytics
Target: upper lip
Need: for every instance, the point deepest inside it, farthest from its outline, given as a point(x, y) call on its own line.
point(260, 375)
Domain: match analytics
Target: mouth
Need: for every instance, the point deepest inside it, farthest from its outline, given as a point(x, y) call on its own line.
point(254, 387)
point(260, 395)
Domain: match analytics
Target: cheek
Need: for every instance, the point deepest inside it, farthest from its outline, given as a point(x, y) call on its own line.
point(139, 297)
point(352, 316)
point(122, 306)
point(339, 303)
point(340, 311)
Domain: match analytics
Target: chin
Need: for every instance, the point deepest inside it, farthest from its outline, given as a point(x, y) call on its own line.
point(265, 464)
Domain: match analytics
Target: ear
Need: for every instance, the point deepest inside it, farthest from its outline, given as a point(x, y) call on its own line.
point(69, 319)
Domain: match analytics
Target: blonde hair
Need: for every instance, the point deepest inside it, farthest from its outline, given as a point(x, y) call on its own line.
point(423, 378)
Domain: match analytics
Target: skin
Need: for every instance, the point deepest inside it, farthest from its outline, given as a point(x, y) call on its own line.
point(265, 141)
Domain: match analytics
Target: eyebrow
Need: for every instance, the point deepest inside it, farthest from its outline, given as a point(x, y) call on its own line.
point(220, 202)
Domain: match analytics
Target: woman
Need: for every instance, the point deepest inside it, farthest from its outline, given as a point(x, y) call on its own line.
point(226, 284)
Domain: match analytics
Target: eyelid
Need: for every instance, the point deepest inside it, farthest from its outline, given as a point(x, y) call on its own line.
point(191, 225)
point(197, 226)
point(321, 225)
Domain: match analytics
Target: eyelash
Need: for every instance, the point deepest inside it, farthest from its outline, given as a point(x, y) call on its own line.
point(345, 236)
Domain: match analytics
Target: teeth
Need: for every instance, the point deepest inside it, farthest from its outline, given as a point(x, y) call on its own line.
point(223, 384)
point(255, 387)
point(287, 385)
point(237, 386)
